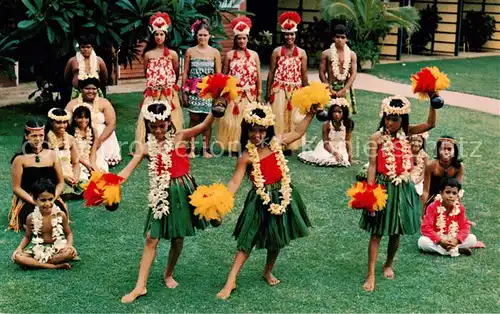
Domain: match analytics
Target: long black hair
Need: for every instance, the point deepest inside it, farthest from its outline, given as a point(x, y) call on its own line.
point(246, 127)
point(151, 43)
point(235, 42)
point(81, 112)
point(26, 148)
point(405, 123)
point(159, 108)
point(348, 123)
point(456, 161)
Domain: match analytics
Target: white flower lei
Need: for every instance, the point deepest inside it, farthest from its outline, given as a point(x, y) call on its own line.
point(441, 220)
point(259, 180)
point(93, 73)
point(84, 144)
point(390, 161)
point(44, 253)
point(335, 62)
point(419, 169)
point(159, 184)
point(54, 142)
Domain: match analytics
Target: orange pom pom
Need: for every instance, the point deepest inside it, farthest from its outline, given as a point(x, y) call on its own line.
point(428, 81)
point(103, 188)
point(367, 197)
point(289, 15)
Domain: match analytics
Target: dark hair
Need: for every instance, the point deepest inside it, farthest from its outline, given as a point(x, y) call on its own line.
point(235, 41)
point(455, 160)
point(405, 123)
point(340, 30)
point(151, 43)
point(423, 140)
point(89, 81)
point(158, 108)
point(33, 122)
point(203, 25)
point(50, 123)
point(348, 123)
point(42, 185)
point(246, 127)
point(79, 112)
point(451, 182)
point(86, 40)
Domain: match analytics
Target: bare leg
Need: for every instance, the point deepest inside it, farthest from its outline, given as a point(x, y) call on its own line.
point(373, 246)
point(272, 256)
point(30, 262)
point(65, 255)
point(206, 143)
point(194, 120)
point(239, 260)
point(173, 255)
point(148, 256)
point(392, 248)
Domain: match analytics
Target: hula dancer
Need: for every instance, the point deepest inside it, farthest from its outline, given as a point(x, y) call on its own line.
point(390, 164)
point(287, 73)
point(274, 213)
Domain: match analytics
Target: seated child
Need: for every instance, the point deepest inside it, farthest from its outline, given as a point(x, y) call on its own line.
point(420, 158)
point(445, 228)
point(48, 231)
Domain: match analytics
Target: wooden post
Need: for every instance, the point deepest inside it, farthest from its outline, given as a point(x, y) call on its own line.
point(458, 32)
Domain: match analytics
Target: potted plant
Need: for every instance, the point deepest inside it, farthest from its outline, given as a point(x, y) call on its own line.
point(370, 20)
point(429, 19)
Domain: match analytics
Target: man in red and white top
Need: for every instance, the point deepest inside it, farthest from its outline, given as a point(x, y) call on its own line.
point(445, 228)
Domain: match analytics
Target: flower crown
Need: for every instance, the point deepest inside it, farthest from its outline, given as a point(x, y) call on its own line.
point(86, 76)
point(339, 101)
point(386, 107)
point(447, 139)
point(54, 117)
point(32, 129)
point(194, 26)
point(289, 21)
point(424, 135)
point(83, 104)
point(160, 22)
point(252, 118)
point(153, 117)
point(241, 25)
point(218, 85)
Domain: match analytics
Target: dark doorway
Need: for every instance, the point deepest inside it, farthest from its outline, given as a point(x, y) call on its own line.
point(265, 19)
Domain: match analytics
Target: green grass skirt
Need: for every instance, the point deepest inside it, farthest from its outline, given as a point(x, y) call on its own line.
point(257, 227)
point(401, 214)
point(180, 222)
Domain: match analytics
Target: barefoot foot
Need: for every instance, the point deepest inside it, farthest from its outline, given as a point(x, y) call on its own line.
point(170, 282)
point(388, 272)
point(134, 295)
point(63, 266)
point(192, 155)
point(369, 284)
point(226, 292)
point(271, 280)
point(207, 155)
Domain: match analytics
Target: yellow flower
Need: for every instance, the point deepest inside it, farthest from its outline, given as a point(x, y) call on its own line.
point(316, 93)
point(212, 202)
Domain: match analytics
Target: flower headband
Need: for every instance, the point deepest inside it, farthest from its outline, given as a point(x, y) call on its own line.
point(160, 22)
point(54, 117)
point(424, 135)
point(83, 104)
point(289, 21)
point(447, 139)
point(252, 118)
point(386, 107)
point(87, 76)
point(153, 117)
point(32, 129)
point(340, 101)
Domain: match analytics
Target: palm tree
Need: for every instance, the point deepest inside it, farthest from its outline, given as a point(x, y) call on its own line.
point(371, 19)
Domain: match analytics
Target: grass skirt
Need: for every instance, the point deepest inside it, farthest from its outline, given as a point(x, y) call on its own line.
point(229, 126)
point(257, 227)
point(402, 212)
point(286, 120)
point(180, 222)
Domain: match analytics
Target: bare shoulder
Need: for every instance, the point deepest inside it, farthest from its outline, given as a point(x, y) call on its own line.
point(174, 54)
point(230, 53)
point(100, 60)
point(244, 158)
point(72, 60)
point(103, 102)
point(71, 104)
point(277, 50)
point(353, 55)
point(216, 52)
point(326, 53)
point(302, 52)
point(19, 160)
point(62, 214)
point(376, 137)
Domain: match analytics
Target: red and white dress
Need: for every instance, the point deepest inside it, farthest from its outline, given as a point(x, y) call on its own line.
point(287, 79)
point(244, 69)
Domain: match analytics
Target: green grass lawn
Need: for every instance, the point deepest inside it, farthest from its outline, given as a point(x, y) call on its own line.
point(479, 76)
point(320, 273)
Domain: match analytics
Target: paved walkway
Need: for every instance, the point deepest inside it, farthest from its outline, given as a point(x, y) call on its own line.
point(364, 81)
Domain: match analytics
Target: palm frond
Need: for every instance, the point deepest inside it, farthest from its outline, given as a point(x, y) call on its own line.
point(333, 9)
point(406, 17)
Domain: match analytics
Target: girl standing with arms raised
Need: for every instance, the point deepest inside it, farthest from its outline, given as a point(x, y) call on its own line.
point(390, 164)
point(200, 61)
